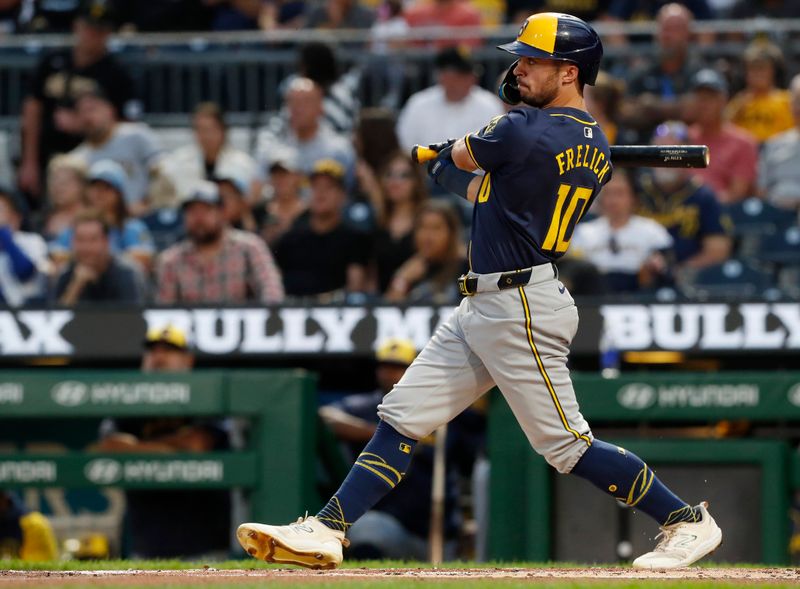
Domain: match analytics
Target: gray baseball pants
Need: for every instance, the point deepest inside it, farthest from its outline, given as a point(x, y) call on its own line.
point(517, 339)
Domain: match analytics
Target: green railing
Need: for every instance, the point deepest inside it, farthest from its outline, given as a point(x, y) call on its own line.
point(520, 522)
point(278, 467)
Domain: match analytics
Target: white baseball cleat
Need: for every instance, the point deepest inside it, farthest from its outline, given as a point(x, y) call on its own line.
point(683, 543)
point(307, 543)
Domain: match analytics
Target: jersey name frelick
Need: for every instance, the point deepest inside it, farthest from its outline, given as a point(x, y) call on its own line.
point(543, 170)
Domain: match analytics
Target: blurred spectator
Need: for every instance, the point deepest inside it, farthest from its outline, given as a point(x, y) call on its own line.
point(164, 220)
point(52, 16)
point(132, 145)
point(779, 164)
point(687, 208)
point(235, 15)
point(430, 276)
point(340, 103)
point(768, 8)
point(603, 101)
point(24, 534)
point(396, 197)
point(734, 152)
point(321, 255)
point(95, 274)
point(234, 184)
point(638, 10)
point(211, 150)
point(163, 15)
point(127, 236)
point(9, 16)
point(655, 89)
point(167, 350)
point(66, 187)
point(282, 14)
point(23, 256)
point(386, 67)
point(589, 10)
point(285, 203)
point(306, 131)
point(49, 122)
point(445, 13)
point(631, 251)
point(453, 107)
point(375, 139)
point(762, 108)
point(340, 14)
point(215, 263)
point(399, 525)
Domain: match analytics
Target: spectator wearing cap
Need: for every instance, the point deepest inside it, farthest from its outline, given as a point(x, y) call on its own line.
point(167, 349)
point(778, 169)
point(734, 152)
point(234, 183)
point(303, 128)
point(761, 108)
point(321, 256)
point(210, 151)
point(24, 264)
point(631, 251)
point(686, 207)
point(451, 14)
point(285, 203)
point(453, 107)
point(656, 88)
point(133, 145)
point(128, 237)
point(215, 263)
point(66, 193)
point(96, 274)
point(49, 122)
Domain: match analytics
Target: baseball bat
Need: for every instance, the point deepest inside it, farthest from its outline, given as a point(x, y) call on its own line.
point(627, 156)
point(436, 534)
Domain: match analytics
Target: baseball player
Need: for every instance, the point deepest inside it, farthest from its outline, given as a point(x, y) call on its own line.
point(542, 165)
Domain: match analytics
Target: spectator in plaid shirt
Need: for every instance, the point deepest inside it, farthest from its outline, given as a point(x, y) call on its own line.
point(215, 264)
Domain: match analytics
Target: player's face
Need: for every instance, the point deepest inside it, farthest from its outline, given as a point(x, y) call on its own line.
point(539, 80)
point(203, 222)
point(165, 358)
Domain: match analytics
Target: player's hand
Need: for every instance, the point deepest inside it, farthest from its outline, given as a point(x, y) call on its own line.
point(442, 145)
point(443, 161)
point(508, 91)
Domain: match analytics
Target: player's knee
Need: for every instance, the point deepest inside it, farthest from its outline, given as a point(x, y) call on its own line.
point(564, 457)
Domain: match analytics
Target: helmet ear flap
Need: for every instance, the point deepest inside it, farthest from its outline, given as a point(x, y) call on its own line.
point(588, 73)
point(508, 91)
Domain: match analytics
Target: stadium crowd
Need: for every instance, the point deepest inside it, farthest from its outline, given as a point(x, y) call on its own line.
point(329, 207)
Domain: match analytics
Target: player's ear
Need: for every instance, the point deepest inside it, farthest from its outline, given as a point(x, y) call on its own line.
point(569, 74)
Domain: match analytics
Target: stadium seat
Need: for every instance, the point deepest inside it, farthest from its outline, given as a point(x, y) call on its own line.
point(752, 220)
point(733, 278)
point(781, 248)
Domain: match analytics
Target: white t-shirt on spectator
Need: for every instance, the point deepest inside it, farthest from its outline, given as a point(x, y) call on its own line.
point(428, 117)
point(185, 165)
point(779, 170)
point(637, 240)
point(135, 147)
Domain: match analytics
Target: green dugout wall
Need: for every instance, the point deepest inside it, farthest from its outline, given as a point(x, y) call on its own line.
point(278, 466)
point(522, 484)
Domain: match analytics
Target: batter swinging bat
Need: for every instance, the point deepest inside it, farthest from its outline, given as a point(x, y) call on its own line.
point(627, 156)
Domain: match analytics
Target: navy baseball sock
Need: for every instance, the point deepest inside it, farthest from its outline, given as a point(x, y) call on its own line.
point(626, 477)
point(377, 470)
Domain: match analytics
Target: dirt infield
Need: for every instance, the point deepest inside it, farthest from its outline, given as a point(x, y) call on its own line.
point(211, 575)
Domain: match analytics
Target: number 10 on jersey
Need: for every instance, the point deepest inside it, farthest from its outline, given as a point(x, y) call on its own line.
point(561, 225)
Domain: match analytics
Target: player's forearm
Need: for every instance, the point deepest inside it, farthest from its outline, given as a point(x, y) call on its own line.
point(461, 157)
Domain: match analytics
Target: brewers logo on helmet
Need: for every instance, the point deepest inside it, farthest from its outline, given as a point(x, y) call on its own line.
point(552, 35)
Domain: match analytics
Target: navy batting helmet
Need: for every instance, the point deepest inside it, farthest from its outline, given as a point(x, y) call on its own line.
point(552, 35)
